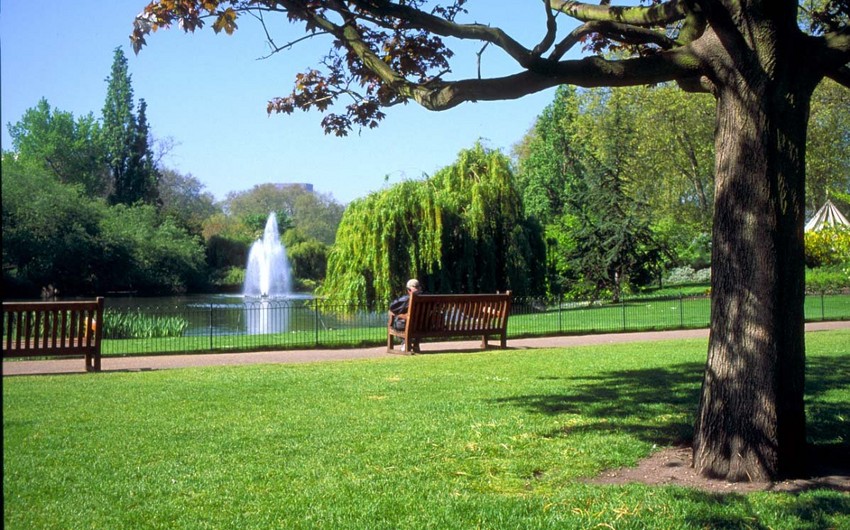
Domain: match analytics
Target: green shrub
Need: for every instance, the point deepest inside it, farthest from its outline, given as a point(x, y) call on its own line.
point(829, 246)
point(833, 279)
point(234, 276)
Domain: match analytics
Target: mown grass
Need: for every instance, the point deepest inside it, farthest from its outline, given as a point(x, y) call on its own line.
point(498, 439)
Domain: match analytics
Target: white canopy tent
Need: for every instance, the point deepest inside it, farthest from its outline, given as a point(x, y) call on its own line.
point(828, 215)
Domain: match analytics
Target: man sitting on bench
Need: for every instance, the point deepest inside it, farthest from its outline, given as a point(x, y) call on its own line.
point(399, 306)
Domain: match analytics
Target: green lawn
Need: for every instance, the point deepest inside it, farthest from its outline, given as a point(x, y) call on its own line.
point(497, 439)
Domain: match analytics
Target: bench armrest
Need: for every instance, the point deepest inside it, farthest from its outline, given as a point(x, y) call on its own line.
point(391, 316)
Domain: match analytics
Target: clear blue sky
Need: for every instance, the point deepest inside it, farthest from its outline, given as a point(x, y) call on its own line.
point(208, 93)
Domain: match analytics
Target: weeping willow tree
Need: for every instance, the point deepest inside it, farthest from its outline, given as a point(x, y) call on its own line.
point(462, 230)
point(382, 239)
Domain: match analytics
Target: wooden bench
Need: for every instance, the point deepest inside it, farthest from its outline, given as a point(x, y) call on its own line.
point(451, 316)
point(46, 329)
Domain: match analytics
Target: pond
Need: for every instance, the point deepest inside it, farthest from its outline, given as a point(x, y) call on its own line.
point(226, 314)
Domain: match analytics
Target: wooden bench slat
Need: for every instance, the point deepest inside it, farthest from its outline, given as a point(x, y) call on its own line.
point(54, 333)
point(7, 324)
point(44, 329)
point(449, 316)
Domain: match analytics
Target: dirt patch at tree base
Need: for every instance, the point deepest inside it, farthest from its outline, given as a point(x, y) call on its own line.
point(829, 469)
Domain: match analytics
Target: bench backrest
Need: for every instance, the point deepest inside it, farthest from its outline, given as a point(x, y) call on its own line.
point(447, 313)
point(54, 328)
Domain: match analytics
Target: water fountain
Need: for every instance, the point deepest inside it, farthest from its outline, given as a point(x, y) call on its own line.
point(268, 274)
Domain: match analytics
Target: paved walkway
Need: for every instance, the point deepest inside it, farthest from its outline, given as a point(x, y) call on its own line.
point(162, 362)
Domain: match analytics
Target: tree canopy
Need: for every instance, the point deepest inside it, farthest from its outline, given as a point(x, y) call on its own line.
point(668, 171)
point(69, 149)
point(828, 157)
point(577, 177)
point(54, 233)
point(58, 228)
point(184, 198)
point(314, 215)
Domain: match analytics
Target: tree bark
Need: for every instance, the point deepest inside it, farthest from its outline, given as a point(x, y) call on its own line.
point(751, 420)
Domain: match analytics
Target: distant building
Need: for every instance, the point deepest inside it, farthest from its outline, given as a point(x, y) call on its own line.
point(303, 185)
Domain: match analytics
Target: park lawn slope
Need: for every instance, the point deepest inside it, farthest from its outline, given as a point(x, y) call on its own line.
point(498, 439)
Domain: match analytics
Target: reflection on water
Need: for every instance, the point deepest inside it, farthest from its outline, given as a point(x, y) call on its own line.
point(265, 316)
point(224, 314)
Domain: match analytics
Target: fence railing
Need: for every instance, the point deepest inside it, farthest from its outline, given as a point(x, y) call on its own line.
point(309, 323)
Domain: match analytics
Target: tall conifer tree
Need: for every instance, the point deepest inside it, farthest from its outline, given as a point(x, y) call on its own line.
point(119, 126)
point(144, 184)
point(126, 142)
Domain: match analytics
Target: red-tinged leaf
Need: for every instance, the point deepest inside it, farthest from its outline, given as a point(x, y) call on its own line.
point(226, 21)
point(138, 42)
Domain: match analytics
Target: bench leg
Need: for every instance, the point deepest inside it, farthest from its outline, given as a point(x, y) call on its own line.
point(484, 342)
point(410, 346)
point(92, 362)
point(406, 347)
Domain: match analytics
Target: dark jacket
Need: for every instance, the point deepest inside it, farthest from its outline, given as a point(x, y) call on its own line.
point(400, 304)
point(399, 307)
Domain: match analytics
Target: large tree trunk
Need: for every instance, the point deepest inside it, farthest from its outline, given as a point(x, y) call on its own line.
point(751, 420)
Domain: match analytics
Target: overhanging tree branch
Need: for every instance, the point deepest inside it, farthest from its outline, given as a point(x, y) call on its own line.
point(841, 76)
point(440, 26)
point(588, 72)
point(833, 54)
point(657, 15)
point(441, 95)
point(275, 48)
point(393, 49)
point(629, 34)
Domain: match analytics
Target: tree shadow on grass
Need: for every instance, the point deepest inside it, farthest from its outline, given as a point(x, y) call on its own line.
point(653, 404)
point(820, 509)
point(658, 405)
point(828, 417)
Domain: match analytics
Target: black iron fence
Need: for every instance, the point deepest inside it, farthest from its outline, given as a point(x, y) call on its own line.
point(237, 325)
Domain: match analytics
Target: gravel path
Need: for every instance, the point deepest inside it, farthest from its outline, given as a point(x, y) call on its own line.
point(163, 362)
